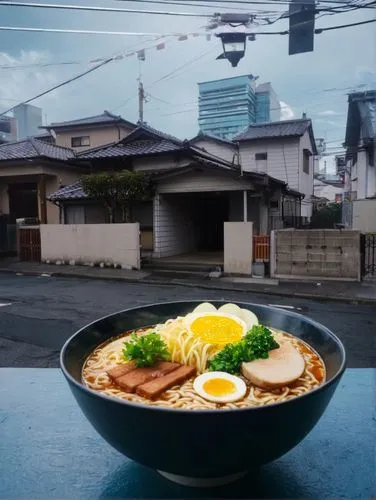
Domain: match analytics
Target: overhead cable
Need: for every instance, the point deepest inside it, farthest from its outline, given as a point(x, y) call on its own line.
point(100, 9)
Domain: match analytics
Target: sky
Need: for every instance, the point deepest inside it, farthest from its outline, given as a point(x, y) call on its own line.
point(316, 83)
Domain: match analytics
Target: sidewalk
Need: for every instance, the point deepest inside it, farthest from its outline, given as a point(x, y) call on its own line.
point(364, 292)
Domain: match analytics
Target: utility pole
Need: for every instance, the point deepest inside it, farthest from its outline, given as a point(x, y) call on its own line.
point(141, 100)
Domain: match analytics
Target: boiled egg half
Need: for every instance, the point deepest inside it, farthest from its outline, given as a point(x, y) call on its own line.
point(217, 328)
point(220, 387)
point(220, 326)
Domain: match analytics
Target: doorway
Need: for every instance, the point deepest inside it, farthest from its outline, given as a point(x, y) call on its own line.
point(23, 200)
point(212, 210)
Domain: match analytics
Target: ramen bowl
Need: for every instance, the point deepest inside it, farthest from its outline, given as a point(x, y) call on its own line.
point(202, 447)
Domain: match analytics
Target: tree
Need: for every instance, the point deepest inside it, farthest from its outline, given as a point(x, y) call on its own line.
point(327, 217)
point(118, 190)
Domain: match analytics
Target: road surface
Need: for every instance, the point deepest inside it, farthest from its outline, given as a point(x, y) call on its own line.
point(37, 314)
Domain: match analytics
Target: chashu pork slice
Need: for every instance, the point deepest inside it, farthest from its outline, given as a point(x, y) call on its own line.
point(282, 367)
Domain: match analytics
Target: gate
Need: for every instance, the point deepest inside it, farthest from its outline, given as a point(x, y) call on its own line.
point(8, 238)
point(29, 243)
point(261, 248)
point(368, 255)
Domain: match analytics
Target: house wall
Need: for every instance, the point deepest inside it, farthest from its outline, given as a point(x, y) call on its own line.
point(284, 162)
point(57, 177)
point(305, 183)
point(98, 136)
point(89, 243)
point(365, 185)
point(192, 182)
point(222, 150)
point(173, 226)
point(364, 215)
point(316, 254)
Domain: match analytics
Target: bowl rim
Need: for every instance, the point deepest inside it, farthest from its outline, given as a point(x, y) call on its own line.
point(90, 392)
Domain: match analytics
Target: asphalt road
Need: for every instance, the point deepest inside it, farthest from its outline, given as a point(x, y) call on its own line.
point(37, 314)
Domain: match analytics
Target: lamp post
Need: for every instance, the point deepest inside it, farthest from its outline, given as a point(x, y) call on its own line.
point(234, 44)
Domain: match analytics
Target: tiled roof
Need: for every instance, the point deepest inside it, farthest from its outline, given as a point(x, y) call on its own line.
point(33, 148)
point(287, 128)
point(134, 148)
point(205, 135)
point(105, 117)
point(75, 191)
point(71, 192)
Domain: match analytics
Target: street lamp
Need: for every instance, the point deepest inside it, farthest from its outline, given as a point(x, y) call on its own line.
point(233, 46)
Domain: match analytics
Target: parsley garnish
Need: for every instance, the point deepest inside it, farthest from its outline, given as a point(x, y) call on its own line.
point(145, 350)
point(255, 344)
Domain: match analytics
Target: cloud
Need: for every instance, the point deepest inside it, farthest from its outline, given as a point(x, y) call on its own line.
point(286, 111)
point(22, 78)
point(328, 112)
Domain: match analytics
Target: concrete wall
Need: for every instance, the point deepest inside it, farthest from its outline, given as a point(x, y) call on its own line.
point(238, 247)
point(316, 254)
point(173, 226)
point(92, 243)
point(364, 215)
point(98, 136)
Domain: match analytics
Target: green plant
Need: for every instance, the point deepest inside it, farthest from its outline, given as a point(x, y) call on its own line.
point(118, 190)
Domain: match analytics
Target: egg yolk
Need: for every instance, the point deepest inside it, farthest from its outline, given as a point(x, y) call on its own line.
point(217, 329)
point(219, 387)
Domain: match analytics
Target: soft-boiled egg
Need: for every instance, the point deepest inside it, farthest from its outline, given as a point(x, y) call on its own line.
point(215, 327)
point(220, 387)
point(205, 307)
point(248, 317)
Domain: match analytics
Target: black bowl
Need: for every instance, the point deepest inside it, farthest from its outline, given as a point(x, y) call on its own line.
point(186, 444)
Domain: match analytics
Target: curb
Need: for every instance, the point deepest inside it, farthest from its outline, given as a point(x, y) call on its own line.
point(146, 281)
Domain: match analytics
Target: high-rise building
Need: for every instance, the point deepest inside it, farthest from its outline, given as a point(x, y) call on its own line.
point(29, 119)
point(229, 106)
point(8, 129)
point(268, 107)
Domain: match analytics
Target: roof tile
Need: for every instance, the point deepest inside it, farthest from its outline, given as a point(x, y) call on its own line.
point(135, 148)
point(287, 128)
point(33, 148)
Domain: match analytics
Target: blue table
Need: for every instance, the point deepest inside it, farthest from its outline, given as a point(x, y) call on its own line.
point(49, 450)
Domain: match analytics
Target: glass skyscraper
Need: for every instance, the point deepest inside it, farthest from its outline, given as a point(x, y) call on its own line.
point(229, 106)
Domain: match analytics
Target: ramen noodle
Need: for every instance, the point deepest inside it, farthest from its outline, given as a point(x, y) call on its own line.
point(195, 352)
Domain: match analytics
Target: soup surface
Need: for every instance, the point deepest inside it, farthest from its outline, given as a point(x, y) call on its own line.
point(258, 383)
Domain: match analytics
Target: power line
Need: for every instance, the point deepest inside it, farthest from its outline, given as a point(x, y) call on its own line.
point(70, 80)
point(244, 2)
point(128, 33)
point(101, 9)
point(92, 32)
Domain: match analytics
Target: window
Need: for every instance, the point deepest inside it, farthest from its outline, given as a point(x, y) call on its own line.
point(306, 156)
point(84, 140)
point(261, 156)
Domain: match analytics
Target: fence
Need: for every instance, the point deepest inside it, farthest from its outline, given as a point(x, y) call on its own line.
point(368, 255)
point(29, 244)
point(261, 248)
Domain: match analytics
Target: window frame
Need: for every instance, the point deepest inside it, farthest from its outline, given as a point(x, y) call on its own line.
point(306, 156)
point(84, 140)
point(261, 156)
